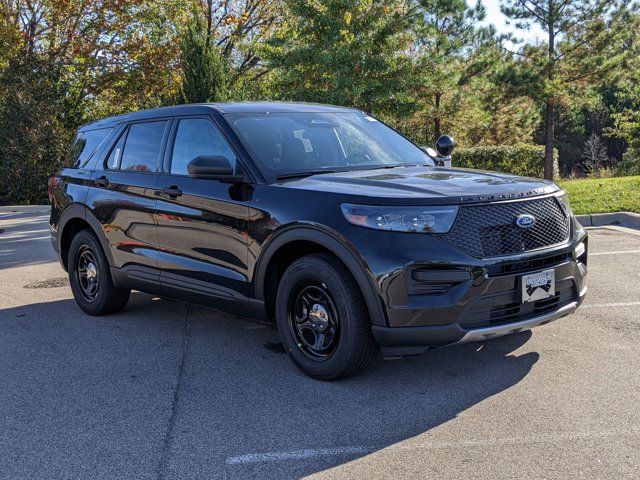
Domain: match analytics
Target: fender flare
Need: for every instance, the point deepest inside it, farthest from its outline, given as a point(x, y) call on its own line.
point(80, 211)
point(337, 245)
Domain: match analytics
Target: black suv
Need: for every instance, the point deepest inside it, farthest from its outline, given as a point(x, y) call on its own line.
point(322, 218)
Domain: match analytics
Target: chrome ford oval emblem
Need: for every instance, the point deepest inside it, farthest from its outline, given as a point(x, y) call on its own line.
point(525, 221)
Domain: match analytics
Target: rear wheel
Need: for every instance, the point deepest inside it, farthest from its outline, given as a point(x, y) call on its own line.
point(90, 277)
point(322, 319)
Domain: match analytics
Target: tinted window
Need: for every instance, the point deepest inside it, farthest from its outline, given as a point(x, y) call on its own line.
point(84, 145)
point(113, 162)
point(299, 142)
point(195, 137)
point(142, 147)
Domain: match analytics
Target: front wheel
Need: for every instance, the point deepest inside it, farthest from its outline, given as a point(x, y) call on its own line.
point(322, 319)
point(90, 277)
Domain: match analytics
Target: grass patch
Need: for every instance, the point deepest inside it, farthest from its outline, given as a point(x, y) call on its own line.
point(603, 195)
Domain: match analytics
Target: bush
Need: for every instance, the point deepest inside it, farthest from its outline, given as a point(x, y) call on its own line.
point(521, 159)
point(630, 164)
point(31, 136)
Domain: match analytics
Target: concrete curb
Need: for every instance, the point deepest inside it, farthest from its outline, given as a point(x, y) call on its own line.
point(623, 219)
point(25, 209)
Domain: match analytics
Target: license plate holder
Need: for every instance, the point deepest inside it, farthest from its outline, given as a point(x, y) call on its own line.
point(538, 286)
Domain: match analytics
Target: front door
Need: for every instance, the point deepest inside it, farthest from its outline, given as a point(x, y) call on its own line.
point(202, 223)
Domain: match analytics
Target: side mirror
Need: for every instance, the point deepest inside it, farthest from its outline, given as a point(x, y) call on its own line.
point(213, 167)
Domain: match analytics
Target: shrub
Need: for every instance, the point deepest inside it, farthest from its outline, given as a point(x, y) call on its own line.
point(521, 159)
point(630, 164)
point(31, 136)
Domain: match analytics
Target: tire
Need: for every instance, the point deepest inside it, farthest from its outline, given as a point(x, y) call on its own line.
point(317, 296)
point(90, 277)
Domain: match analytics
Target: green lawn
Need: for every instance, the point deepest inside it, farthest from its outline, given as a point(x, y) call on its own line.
point(618, 194)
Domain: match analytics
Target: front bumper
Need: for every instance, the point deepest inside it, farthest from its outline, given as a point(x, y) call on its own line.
point(453, 298)
point(416, 340)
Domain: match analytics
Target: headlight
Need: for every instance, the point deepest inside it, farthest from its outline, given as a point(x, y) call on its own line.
point(401, 219)
point(563, 199)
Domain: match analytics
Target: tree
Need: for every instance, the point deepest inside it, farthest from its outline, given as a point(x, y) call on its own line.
point(448, 52)
point(345, 52)
point(625, 110)
point(65, 62)
point(204, 69)
point(31, 134)
point(238, 28)
point(594, 155)
point(582, 42)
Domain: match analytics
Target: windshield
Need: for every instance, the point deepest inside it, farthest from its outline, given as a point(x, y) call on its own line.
point(286, 144)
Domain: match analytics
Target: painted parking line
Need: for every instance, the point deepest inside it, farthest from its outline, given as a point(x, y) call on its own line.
point(620, 252)
point(610, 305)
point(549, 437)
point(298, 454)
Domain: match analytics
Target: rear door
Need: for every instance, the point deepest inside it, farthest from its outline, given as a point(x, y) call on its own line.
point(202, 223)
point(124, 198)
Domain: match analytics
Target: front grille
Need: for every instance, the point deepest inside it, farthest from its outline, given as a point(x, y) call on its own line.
point(490, 230)
point(507, 307)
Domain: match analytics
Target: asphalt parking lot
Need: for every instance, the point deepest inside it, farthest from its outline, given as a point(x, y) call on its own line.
point(168, 390)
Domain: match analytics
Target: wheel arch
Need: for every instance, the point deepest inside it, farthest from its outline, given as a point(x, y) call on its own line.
point(324, 240)
point(73, 219)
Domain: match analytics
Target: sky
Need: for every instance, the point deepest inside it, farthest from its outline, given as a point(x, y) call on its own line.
point(495, 16)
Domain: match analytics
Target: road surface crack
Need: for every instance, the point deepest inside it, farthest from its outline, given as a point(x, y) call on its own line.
point(163, 467)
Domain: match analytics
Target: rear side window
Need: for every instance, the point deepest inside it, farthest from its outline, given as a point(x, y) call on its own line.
point(84, 145)
point(142, 147)
point(139, 148)
point(195, 137)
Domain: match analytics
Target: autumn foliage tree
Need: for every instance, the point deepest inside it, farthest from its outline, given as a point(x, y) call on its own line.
point(64, 63)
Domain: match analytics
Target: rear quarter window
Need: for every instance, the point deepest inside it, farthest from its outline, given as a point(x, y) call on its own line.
point(85, 143)
point(142, 146)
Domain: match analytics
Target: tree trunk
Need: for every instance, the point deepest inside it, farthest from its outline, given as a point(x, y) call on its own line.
point(209, 23)
point(550, 130)
point(548, 146)
point(437, 127)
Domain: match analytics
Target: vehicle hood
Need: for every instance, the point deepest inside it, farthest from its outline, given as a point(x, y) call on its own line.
point(439, 184)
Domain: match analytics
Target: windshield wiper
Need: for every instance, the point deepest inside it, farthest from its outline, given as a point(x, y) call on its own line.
point(380, 167)
point(286, 176)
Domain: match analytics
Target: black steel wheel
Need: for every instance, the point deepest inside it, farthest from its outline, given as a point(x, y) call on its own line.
point(90, 277)
point(87, 273)
point(314, 321)
point(322, 318)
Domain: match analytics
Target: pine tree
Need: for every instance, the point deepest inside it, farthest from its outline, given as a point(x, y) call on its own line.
point(345, 52)
point(581, 43)
point(204, 69)
point(448, 50)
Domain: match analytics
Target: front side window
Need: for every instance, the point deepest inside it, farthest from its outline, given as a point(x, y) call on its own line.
point(141, 149)
point(198, 137)
point(284, 143)
point(85, 144)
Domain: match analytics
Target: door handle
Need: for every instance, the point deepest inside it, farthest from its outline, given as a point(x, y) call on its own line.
point(102, 182)
point(172, 191)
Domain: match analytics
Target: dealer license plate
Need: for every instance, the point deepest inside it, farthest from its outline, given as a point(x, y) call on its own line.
point(538, 286)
